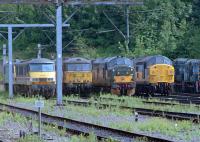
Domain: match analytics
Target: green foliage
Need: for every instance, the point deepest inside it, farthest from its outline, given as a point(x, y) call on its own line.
point(1, 77)
point(168, 27)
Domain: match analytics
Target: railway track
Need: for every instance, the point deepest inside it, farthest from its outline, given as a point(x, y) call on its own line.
point(82, 127)
point(169, 102)
point(181, 98)
point(184, 99)
point(150, 112)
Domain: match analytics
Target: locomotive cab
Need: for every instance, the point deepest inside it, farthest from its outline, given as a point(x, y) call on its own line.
point(115, 75)
point(154, 74)
point(35, 77)
point(42, 73)
point(77, 75)
point(122, 76)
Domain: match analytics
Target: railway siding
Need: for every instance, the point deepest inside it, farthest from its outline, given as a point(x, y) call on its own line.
point(151, 112)
point(81, 127)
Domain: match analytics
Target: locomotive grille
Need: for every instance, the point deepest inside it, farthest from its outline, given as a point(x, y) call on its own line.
point(43, 79)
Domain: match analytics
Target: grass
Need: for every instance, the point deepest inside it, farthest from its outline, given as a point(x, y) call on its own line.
point(30, 138)
point(81, 138)
point(161, 126)
point(93, 138)
point(96, 112)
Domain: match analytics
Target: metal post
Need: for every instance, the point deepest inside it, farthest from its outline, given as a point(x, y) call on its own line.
point(127, 29)
point(39, 122)
point(4, 61)
point(10, 62)
point(39, 51)
point(59, 53)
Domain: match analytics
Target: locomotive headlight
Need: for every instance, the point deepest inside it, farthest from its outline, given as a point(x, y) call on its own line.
point(50, 79)
point(113, 70)
point(131, 69)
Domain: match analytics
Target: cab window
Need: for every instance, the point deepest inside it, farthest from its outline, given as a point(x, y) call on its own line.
point(42, 67)
point(78, 67)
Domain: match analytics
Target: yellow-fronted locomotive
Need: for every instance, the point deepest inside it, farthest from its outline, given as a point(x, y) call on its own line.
point(77, 75)
point(34, 77)
point(114, 74)
point(154, 74)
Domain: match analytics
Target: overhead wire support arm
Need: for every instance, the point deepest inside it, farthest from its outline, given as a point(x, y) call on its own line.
point(114, 25)
point(67, 20)
point(49, 18)
point(1, 35)
point(74, 2)
point(21, 31)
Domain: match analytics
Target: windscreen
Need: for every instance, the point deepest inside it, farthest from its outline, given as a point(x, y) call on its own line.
point(78, 67)
point(120, 61)
point(159, 60)
point(42, 67)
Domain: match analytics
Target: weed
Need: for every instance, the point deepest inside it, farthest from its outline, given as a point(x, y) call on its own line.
point(30, 138)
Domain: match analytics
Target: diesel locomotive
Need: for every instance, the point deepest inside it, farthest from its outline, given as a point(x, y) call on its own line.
point(187, 77)
point(154, 74)
point(77, 75)
point(114, 74)
point(33, 77)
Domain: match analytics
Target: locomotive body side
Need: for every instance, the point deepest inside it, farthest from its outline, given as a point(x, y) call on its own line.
point(100, 73)
point(180, 68)
point(192, 76)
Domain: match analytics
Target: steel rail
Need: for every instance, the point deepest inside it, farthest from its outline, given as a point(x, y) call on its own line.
point(150, 112)
point(81, 127)
point(167, 101)
point(182, 100)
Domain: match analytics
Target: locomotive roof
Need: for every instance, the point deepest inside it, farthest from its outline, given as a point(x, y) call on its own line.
point(36, 61)
point(106, 60)
point(193, 61)
point(102, 60)
point(99, 60)
point(76, 60)
point(181, 60)
point(148, 58)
